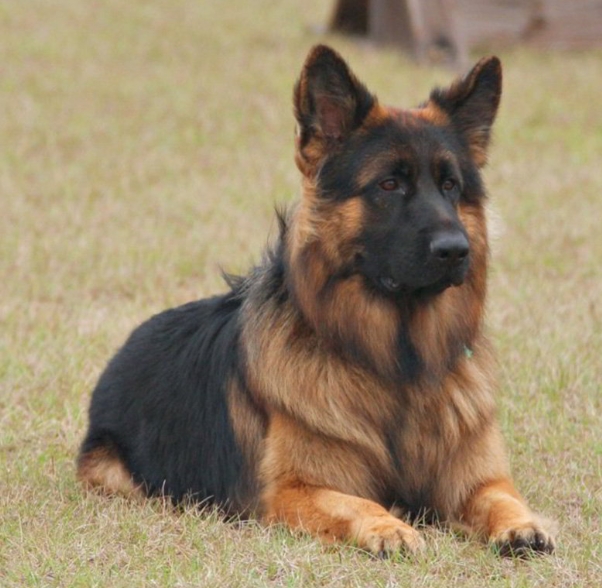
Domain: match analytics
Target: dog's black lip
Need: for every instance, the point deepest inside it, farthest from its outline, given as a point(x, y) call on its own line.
point(442, 285)
point(396, 287)
point(390, 284)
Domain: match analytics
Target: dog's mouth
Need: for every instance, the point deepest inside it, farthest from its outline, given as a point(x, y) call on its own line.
point(396, 287)
point(390, 284)
point(437, 288)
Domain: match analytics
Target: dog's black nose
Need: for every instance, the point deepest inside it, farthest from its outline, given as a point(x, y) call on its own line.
point(449, 248)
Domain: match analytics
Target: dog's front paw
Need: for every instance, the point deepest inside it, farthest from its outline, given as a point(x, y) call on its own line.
point(523, 541)
point(384, 536)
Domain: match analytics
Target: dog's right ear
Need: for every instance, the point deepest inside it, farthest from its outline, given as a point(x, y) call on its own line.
point(472, 103)
point(329, 101)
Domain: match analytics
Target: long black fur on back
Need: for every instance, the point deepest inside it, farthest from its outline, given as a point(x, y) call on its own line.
point(162, 403)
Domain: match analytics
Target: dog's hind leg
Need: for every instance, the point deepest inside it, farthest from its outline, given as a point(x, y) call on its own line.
point(102, 469)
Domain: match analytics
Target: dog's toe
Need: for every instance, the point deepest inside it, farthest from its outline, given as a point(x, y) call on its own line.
point(524, 542)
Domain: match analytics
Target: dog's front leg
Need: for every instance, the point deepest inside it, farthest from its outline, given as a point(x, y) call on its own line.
point(337, 517)
point(324, 486)
point(497, 511)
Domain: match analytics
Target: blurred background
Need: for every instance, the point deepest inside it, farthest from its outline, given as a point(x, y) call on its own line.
point(432, 30)
point(143, 146)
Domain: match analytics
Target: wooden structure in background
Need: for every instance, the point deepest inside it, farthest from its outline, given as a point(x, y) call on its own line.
point(559, 24)
point(425, 28)
point(437, 30)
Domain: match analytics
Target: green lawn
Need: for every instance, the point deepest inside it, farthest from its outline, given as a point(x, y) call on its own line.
point(142, 148)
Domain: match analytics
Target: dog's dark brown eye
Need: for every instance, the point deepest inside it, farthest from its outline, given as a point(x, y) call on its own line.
point(448, 185)
point(389, 185)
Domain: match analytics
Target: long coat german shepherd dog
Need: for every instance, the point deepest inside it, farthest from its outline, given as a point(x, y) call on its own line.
point(347, 378)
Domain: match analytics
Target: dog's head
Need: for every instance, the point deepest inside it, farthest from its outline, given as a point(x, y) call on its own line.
point(396, 188)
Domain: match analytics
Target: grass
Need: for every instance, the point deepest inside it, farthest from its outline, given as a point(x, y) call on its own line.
point(142, 147)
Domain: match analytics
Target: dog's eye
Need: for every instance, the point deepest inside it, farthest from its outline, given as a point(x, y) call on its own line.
point(389, 185)
point(448, 185)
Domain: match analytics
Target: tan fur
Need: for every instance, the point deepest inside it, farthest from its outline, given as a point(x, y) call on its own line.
point(246, 422)
point(331, 432)
point(432, 114)
point(321, 240)
point(460, 308)
point(479, 155)
point(300, 467)
point(294, 454)
point(478, 137)
point(336, 517)
point(378, 115)
point(289, 371)
point(102, 470)
point(373, 166)
point(498, 512)
point(331, 423)
point(248, 426)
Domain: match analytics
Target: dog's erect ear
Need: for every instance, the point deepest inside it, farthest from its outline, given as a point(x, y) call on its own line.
point(472, 103)
point(329, 100)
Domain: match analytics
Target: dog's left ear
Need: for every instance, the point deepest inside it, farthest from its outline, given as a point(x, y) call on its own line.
point(329, 100)
point(472, 103)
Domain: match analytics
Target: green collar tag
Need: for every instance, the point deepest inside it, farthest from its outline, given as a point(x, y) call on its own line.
point(467, 352)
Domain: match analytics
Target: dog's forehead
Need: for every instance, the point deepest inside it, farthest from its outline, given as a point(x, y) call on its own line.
point(428, 114)
point(412, 135)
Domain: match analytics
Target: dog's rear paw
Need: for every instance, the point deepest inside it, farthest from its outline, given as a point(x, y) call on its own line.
point(384, 536)
point(524, 541)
